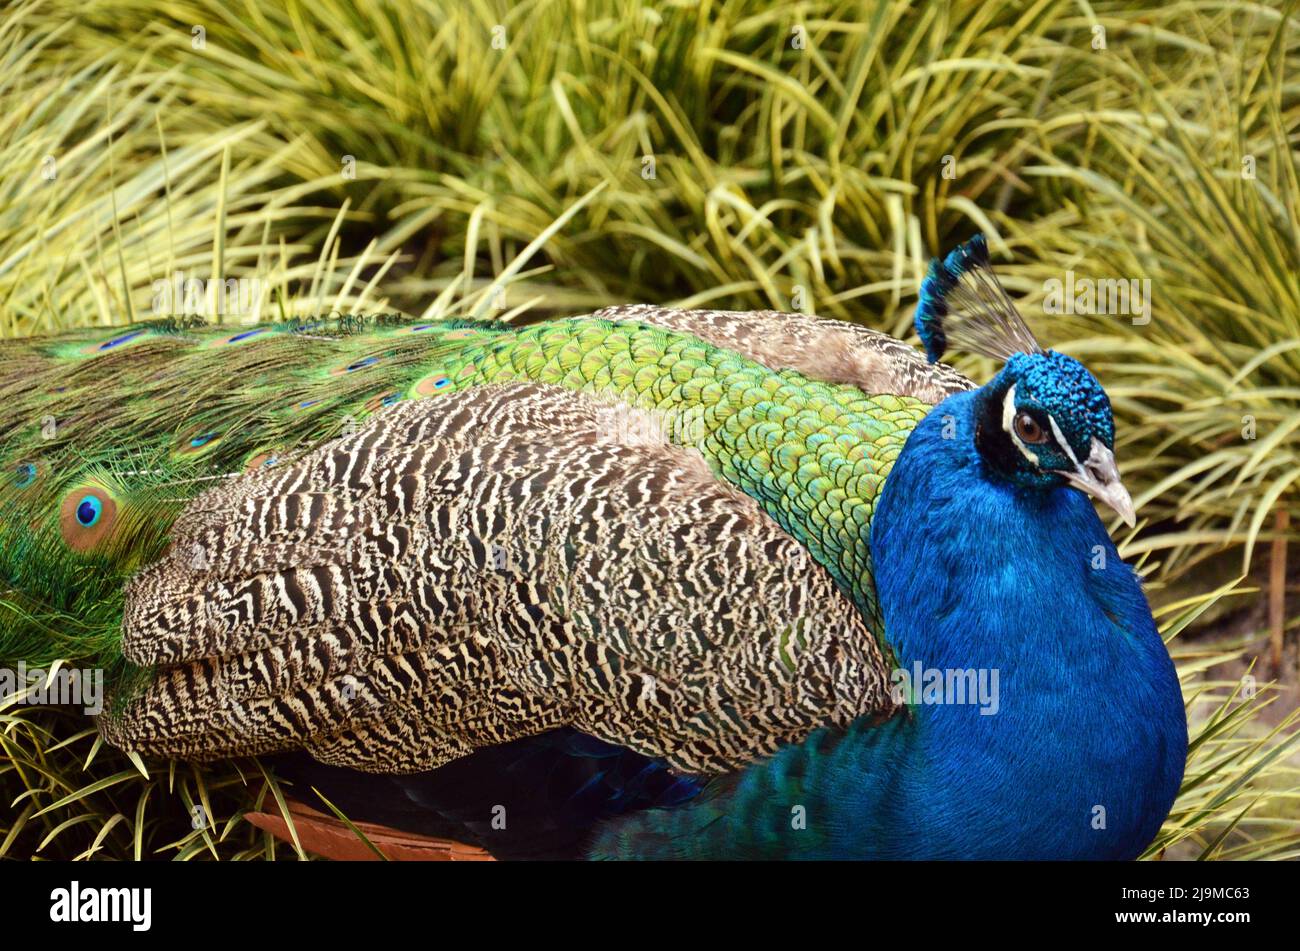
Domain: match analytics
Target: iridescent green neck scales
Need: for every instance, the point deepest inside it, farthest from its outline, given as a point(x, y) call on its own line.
point(146, 416)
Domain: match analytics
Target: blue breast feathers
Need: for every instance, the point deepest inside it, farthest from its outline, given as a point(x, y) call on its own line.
point(1084, 754)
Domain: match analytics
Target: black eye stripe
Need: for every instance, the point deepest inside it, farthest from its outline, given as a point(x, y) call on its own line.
point(1003, 449)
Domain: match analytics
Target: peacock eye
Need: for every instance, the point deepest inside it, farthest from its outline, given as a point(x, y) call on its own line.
point(88, 511)
point(1028, 430)
point(87, 518)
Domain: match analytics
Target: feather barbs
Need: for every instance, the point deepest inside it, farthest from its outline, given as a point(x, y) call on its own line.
point(963, 306)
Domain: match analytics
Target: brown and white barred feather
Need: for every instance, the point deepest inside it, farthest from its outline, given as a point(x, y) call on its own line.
point(831, 350)
point(477, 567)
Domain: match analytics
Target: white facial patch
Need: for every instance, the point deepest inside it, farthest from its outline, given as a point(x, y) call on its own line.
point(1009, 424)
point(1062, 441)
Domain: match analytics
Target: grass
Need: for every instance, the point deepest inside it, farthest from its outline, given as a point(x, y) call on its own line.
point(811, 156)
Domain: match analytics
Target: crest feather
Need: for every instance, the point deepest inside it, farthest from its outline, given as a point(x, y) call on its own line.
point(962, 306)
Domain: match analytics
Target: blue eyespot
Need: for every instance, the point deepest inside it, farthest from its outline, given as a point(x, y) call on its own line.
point(364, 362)
point(200, 441)
point(26, 474)
point(110, 344)
point(432, 384)
point(88, 511)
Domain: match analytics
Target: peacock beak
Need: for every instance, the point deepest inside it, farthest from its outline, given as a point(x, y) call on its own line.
point(1099, 477)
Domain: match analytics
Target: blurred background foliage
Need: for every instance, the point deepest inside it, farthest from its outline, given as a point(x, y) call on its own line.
point(554, 156)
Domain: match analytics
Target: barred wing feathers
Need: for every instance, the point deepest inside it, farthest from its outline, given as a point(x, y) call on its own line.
point(483, 566)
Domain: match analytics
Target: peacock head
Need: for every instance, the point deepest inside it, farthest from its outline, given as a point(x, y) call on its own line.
point(1044, 421)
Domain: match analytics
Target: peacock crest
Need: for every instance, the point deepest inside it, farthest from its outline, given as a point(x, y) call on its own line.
point(963, 306)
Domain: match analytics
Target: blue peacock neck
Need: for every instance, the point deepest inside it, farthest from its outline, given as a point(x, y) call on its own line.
point(1079, 755)
point(1084, 753)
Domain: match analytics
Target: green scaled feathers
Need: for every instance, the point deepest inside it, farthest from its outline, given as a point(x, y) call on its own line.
point(107, 436)
point(814, 455)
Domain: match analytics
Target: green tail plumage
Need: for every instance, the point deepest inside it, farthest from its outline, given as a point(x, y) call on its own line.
point(144, 420)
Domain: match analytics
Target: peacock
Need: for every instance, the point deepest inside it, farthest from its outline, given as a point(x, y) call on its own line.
point(645, 583)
